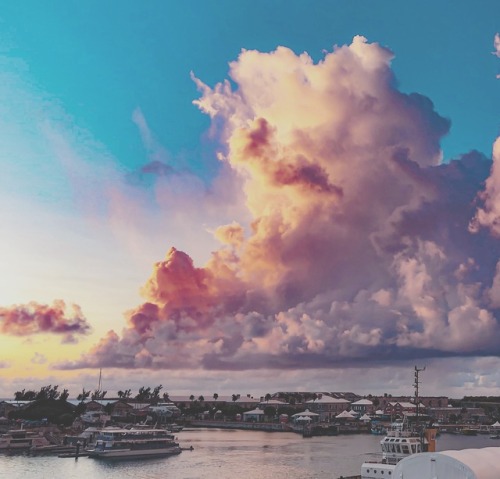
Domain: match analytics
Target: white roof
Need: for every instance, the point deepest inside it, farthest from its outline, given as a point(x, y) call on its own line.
point(363, 402)
point(328, 399)
point(365, 417)
point(255, 412)
point(481, 463)
point(497, 424)
point(305, 413)
point(210, 398)
point(345, 414)
point(247, 400)
point(408, 405)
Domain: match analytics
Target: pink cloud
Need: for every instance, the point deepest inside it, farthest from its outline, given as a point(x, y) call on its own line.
point(357, 244)
point(488, 215)
point(34, 318)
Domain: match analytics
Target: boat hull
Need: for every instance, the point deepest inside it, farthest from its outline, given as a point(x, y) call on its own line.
point(124, 454)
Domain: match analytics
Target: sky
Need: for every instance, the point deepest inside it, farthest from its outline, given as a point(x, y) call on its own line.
point(250, 197)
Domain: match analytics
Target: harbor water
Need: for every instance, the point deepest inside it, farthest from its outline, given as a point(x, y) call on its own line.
point(231, 454)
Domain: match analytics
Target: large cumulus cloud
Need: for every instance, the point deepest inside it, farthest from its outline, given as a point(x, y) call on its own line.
point(361, 242)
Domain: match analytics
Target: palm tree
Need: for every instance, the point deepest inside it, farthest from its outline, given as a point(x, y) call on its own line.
point(84, 395)
point(201, 398)
point(191, 398)
point(215, 396)
point(268, 397)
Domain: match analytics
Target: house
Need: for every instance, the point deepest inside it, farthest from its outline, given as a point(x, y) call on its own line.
point(458, 414)
point(122, 409)
point(398, 409)
point(363, 406)
point(94, 406)
point(327, 407)
point(185, 402)
point(273, 403)
point(246, 402)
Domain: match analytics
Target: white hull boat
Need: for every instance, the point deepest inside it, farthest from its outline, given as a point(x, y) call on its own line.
point(120, 444)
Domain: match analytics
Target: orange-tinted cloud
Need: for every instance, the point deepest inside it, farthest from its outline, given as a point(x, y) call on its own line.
point(358, 243)
point(34, 318)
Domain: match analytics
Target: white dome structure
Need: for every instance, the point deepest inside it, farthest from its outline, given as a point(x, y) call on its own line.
point(481, 463)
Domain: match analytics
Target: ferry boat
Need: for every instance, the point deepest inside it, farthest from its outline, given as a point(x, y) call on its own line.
point(404, 439)
point(398, 444)
point(134, 444)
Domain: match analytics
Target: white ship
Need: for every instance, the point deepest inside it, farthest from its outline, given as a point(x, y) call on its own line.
point(403, 440)
point(134, 444)
point(396, 446)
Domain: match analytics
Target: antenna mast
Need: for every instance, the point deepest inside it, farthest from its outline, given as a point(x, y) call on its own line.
point(415, 385)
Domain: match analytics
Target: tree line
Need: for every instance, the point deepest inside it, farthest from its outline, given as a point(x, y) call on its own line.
point(145, 393)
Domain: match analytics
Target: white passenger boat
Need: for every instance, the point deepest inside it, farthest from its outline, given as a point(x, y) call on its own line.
point(134, 444)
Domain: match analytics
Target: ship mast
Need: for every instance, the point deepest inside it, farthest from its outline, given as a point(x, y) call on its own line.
point(417, 404)
point(99, 386)
point(415, 385)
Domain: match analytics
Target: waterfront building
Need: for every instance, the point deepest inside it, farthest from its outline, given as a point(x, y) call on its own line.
point(256, 415)
point(247, 401)
point(327, 407)
point(95, 406)
point(305, 416)
point(428, 401)
point(121, 409)
point(363, 406)
point(458, 414)
point(184, 402)
point(398, 409)
point(272, 402)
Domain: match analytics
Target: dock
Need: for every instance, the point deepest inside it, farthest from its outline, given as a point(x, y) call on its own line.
point(74, 455)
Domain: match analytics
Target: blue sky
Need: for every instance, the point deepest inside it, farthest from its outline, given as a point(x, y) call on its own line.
point(101, 61)
point(92, 92)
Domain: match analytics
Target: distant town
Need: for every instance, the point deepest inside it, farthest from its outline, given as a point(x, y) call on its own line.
point(329, 412)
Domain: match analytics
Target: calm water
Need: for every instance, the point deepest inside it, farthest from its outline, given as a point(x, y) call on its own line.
point(231, 454)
